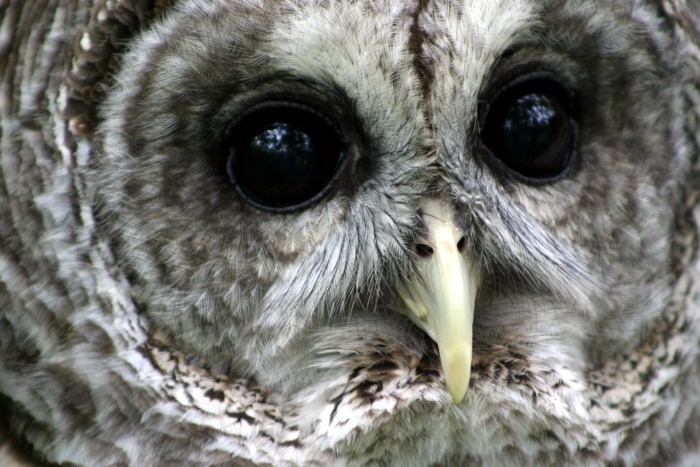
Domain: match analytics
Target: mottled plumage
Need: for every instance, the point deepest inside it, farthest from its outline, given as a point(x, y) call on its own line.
point(164, 300)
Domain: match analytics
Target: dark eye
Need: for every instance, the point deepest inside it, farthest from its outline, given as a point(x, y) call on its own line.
point(530, 128)
point(283, 157)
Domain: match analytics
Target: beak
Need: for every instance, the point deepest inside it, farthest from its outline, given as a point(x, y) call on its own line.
point(440, 299)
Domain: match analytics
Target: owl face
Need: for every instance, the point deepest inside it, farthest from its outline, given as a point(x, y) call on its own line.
point(301, 189)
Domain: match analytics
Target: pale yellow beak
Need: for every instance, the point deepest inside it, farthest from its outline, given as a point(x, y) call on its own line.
point(440, 300)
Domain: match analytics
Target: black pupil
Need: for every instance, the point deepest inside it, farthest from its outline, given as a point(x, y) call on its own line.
point(285, 155)
point(283, 158)
point(529, 128)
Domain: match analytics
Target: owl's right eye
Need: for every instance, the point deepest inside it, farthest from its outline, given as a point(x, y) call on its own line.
point(283, 157)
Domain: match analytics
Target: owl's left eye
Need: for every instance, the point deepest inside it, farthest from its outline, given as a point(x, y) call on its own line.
point(530, 127)
point(282, 158)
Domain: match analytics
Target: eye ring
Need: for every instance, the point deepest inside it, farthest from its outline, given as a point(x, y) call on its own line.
point(282, 156)
point(530, 128)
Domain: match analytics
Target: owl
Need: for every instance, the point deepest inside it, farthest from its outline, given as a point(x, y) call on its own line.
point(357, 232)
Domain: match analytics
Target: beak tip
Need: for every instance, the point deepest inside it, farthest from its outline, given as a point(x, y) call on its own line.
point(457, 382)
point(458, 392)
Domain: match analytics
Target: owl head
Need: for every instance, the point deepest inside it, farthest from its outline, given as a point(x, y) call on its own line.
point(422, 231)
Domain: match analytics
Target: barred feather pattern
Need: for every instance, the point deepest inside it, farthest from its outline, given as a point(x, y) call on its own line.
point(86, 378)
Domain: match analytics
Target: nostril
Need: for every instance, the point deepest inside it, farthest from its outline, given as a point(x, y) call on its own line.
point(461, 245)
point(423, 250)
